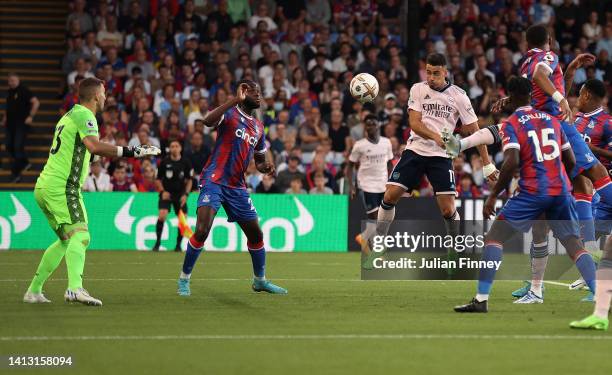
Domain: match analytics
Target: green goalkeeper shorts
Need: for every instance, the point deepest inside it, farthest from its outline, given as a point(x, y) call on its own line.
point(61, 208)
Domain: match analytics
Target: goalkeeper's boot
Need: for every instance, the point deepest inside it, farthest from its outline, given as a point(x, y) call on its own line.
point(156, 246)
point(82, 296)
point(266, 286)
point(183, 287)
point(529, 299)
point(589, 298)
point(31, 297)
point(591, 322)
point(453, 146)
point(474, 306)
point(578, 284)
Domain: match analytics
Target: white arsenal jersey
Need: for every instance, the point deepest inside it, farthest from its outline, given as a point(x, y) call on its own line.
point(372, 158)
point(440, 109)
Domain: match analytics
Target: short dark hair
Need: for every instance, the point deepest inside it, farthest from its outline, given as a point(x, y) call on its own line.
point(370, 117)
point(436, 59)
point(596, 88)
point(537, 35)
point(248, 82)
point(519, 87)
point(88, 88)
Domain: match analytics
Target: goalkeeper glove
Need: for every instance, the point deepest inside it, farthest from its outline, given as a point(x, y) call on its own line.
point(138, 151)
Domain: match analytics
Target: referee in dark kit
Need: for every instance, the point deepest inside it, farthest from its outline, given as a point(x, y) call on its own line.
point(174, 183)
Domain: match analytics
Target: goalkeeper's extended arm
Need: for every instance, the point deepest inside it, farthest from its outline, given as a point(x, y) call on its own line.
point(96, 147)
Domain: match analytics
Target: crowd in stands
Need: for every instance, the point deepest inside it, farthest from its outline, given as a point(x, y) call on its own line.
point(165, 63)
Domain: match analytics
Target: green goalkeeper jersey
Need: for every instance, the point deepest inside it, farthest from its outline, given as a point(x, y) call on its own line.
point(68, 163)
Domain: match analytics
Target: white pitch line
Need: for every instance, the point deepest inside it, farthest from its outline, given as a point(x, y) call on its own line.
point(290, 337)
point(556, 283)
point(278, 279)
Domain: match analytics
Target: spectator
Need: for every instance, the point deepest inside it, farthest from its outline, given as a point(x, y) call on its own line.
point(467, 188)
point(319, 185)
point(311, 132)
point(74, 53)
point(318, 166)
point(116, 62)
point(147, 182)
point(21, 107)
point(197, 114)
point(318, 12)
point(97, 180)
point(267, 186)
point(90, 49)
point(142, 137)
point(262, 15)
point(79, 14)
point(340, 138)
point(197, 153)
point(110, 37)
point(121, 182)
point(146, 67)
point(188, 14)
point(81, 68)
point(592, 30)
point(296, 186)
point(283, 180)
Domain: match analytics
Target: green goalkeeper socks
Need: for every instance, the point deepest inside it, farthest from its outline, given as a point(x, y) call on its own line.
point(75, 258)
point(49, 263)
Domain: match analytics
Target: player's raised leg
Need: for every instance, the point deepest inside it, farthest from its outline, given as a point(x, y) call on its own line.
point(257, 250)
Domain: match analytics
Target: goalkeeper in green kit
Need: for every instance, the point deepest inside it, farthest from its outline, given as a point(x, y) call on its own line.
point(58, 191)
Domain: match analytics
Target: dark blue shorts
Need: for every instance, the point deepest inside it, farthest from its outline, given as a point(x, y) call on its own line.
point(236, 202)
point(522, 210)
point(411, 167)
point(371, 201)
point(585, 159)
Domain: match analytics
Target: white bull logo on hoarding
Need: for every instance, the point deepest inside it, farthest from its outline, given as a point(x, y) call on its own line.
point(230, 233)
point(20, 221)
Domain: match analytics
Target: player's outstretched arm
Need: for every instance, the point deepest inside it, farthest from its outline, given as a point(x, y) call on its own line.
point(580, 61)
point(541, 79)
point(511, 163)
point(213, 118)
point(417, 126)
point(489, 170)
point(96, 147)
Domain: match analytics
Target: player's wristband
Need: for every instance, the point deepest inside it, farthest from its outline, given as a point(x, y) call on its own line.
point(558, 97)
point(125, 152)
point(488, 169)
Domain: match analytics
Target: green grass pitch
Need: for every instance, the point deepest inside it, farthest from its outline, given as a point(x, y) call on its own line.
point(330, 323)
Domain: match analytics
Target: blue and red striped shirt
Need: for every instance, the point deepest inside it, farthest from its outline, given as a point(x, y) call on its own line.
point(596, 129)
point(550, 62)
point(239, 136)
point(540, 139)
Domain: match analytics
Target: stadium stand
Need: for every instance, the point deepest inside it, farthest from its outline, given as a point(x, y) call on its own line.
point(165, 62)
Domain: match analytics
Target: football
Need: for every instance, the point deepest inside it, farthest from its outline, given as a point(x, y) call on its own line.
point(364, 87)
